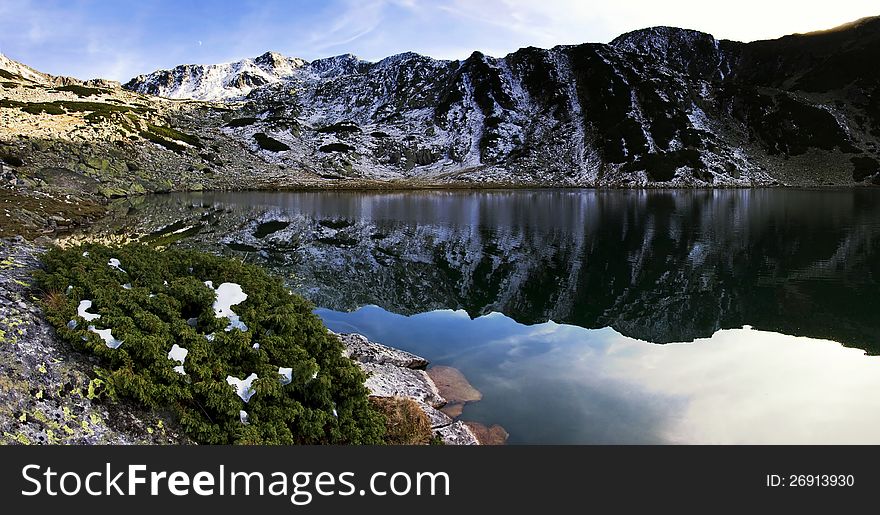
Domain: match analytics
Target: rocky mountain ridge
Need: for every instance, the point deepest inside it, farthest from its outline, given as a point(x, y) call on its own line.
point(659, 107)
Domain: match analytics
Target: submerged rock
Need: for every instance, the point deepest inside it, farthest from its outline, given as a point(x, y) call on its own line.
point(488, 435)
point(455, 388)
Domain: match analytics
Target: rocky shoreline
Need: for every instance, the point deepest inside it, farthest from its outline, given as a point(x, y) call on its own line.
point(48, 394)
point(397, 373)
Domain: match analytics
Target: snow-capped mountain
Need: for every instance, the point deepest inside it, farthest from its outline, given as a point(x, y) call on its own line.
point(217, 81)
point(656, 106)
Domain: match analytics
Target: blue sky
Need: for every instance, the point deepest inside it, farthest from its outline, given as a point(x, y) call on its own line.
point(117, 39)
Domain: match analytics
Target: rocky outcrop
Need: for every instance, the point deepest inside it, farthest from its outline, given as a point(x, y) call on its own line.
point(386, 380)
point(395, 373)
point(362, 350)
point(458, 433)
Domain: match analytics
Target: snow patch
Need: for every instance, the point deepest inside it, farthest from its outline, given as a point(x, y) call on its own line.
point(114, 263)
point(178, 353)
point(81, 311)
point(228, 295)
point(243, 387)
point(107, 336)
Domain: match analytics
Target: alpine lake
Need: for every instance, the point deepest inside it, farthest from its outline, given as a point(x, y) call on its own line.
point(585, 316)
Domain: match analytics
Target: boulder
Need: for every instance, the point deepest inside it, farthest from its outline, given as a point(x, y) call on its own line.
point(359, 348)
point(386, 380)
point(438, 418)
point(457, 434)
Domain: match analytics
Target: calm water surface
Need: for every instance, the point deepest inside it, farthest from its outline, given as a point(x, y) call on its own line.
point(744, 316)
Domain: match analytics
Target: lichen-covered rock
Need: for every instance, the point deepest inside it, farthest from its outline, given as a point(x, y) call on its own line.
point(48, 392)
point(438, 418)
point(387, 380)
point(457, 433)
point(359, 348)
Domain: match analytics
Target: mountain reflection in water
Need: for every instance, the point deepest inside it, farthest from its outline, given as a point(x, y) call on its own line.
point(660, 266)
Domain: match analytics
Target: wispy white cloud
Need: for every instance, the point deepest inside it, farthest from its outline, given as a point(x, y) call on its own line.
point(118, 40)
point(355, 20)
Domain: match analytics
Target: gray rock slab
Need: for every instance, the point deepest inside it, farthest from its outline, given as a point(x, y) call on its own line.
point(359, 348)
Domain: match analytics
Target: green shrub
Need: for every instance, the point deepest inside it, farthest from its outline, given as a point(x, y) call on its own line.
point(336, 147)
point(11, 160)
point(81, 91)
point(170, 145)
point(97, 110)
point(242, 122)
point(268, 143)
point(174, 134)
point(33, 107)
point(10, 76)
point(340, 127)
point(151, 316)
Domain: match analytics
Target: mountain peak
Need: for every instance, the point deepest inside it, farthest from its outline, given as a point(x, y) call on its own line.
point(660, 38)
point(339, 65)
point(224, 81)
point(691, 51)
point(276, 60)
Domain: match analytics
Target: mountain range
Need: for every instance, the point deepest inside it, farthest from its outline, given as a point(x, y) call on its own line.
point(655, 107)
point(660, 105)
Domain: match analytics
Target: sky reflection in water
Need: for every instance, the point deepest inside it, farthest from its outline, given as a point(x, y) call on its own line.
point(553, 383)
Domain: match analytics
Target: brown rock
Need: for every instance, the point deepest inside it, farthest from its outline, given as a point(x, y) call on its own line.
point(491, 435)
point(453, 409)
point(453, 386)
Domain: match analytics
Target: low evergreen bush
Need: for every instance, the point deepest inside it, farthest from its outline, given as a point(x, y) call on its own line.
point(153, 300)
point(269, 143)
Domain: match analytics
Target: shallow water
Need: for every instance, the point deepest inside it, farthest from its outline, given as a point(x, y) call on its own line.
point(618, 272)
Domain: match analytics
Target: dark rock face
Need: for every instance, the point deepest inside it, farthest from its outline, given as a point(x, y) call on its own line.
point(662, 106)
